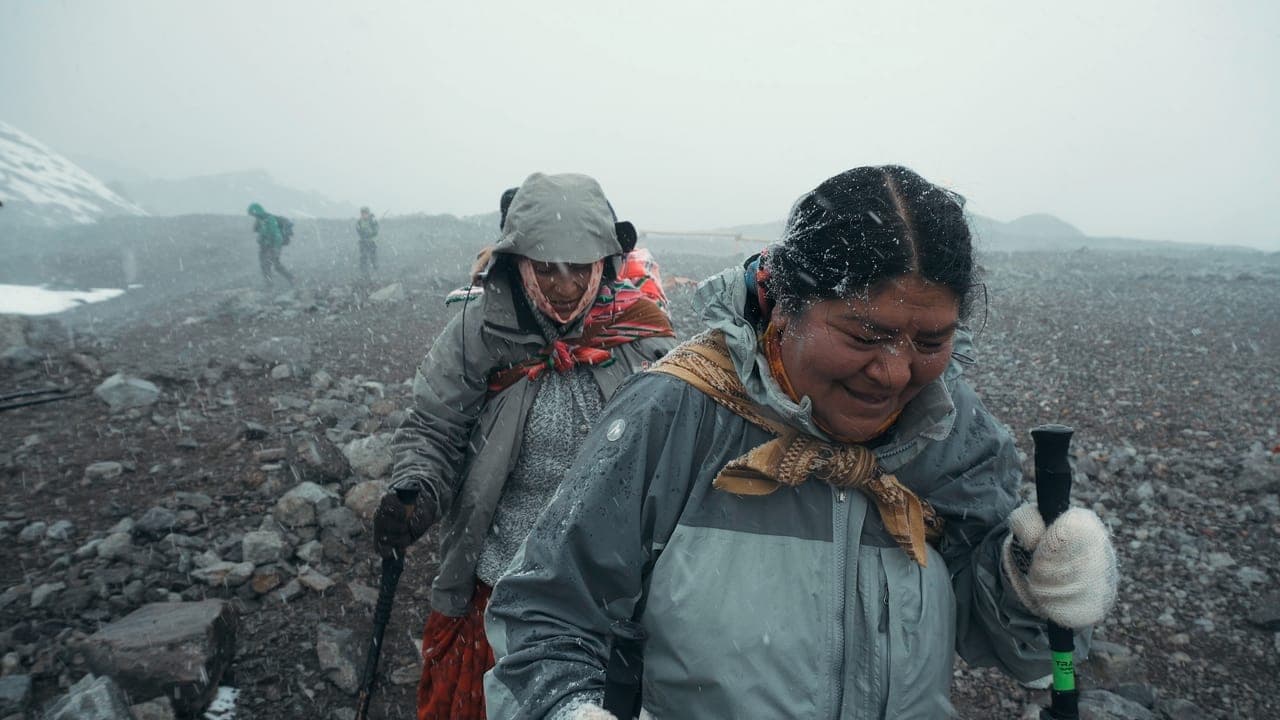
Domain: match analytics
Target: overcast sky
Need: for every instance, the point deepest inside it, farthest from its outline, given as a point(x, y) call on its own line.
point(1138, 118)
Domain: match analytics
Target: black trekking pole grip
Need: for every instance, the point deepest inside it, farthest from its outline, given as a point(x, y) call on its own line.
point(1053, 497)
point(392, 567)
point(624, 674)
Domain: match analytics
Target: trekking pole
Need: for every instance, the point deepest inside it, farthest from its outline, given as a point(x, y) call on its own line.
point(625, 673)
point(391, 569)
point(1053, 496)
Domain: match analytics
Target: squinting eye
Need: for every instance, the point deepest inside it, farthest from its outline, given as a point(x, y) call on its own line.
point(931, 346)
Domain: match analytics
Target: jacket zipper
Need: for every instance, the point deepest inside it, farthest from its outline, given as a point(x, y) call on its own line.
point(840, 528)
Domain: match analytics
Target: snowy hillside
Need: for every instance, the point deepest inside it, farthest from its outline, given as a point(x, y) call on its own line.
point(38, 186)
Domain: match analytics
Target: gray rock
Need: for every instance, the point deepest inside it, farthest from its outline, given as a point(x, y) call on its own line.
point(179, 650)
point(1266, 613)
point(263, 547)
point(311, 552)
point(1259, 474)
point(93, 698)
point(157, 709)
point(338, 653)
point(302, 505)
point(105, 470)
point(1249, 576)
point(341, 521)
point(313, 580)
point(1111, 665)
point(121, 392)
point(20, 356)
point(224, 573)
point(332, 410)
point(195, 501)
point(321, 380)
point(1102, 705)
point(318, 459)
point(281, 350)
point(254, 431)
point(15, 694)
point(364, 497)
point(41, 594)
point(33, 533)
point(389, 294)
point(1178, 709)
point(155, 523)
point(370, 457)
point(116, 546)
point(1141, 693)
point(281, 372)
point(60, 531)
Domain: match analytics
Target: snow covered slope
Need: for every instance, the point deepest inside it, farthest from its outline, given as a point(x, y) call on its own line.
point(40, 187)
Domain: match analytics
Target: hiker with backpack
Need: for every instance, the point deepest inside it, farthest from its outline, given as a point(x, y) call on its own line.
point(502, 400)
point(367, 231)
point(806, 510)
point(274, 232)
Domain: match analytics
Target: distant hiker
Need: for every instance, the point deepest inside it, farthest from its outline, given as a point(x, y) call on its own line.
point(273, 234)
point(806, 508)
point(367, 229)
point(501, 402)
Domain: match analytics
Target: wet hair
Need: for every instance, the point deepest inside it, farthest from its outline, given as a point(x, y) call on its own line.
point(866, 226)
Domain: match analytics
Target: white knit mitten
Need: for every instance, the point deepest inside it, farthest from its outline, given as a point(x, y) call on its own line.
point(1066, 572)
point(591, 712)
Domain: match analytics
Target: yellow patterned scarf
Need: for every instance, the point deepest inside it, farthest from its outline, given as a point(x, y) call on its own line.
point(792, 457)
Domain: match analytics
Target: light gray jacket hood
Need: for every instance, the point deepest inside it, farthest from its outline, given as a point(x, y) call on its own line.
point(560, 218)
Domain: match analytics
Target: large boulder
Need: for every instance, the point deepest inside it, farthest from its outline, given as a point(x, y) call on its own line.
point(121, 392)
point(178, 649)
point(93, 698)
point(370, 457)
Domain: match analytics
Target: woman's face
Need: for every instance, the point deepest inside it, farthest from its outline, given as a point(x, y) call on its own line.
point(861, 361)
point(563, 284)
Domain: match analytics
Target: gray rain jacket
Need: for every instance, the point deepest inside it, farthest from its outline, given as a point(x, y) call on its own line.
point(458, 444)
point(796, 604)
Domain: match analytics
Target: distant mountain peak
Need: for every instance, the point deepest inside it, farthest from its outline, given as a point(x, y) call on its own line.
point(1043, 225)
point(39, 186)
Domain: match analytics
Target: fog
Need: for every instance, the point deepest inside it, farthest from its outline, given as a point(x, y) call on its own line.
point(1143, 119)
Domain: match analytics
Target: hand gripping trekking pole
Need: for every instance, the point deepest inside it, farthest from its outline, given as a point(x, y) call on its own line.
point(391, 569)
point(1053, 496)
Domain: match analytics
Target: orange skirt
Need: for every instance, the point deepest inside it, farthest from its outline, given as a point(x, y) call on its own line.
point(455, 657)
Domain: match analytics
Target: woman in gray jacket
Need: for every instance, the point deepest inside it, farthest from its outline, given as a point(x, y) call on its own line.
point(807, 509)
point(502, 401)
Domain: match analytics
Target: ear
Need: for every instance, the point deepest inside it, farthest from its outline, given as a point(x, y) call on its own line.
point(626, 235)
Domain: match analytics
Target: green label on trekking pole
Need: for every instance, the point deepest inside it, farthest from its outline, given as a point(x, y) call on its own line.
point(1064, 671)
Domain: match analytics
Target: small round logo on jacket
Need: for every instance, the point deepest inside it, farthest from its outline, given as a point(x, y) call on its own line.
point(615, 429)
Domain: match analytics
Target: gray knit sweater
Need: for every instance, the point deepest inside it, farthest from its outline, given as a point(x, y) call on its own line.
point(566, 407)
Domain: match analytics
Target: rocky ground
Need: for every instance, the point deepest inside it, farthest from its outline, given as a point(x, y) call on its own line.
point(238, 456)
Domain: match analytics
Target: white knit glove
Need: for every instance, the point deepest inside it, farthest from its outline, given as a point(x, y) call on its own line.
point(1066, 573)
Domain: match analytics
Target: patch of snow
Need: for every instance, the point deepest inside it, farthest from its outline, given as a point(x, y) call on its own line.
point(33, 300)
point(223, 706)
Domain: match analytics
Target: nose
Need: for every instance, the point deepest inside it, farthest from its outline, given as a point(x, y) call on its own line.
point(892, 368)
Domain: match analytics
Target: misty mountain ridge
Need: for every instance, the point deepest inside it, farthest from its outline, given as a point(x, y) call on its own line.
point(42, 188)
point(226, 193)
